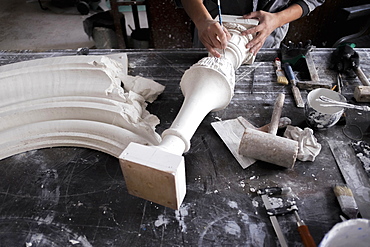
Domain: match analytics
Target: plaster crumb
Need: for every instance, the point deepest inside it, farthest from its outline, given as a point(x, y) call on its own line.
point(180, 215)
point(215, 191)
point(253, 177)
point(74, 241)
point(218, 118)
point(245, 218)
point(255, 203)
point(232, 204)
point(161, 221)
point(28, 244)
point(242, 184)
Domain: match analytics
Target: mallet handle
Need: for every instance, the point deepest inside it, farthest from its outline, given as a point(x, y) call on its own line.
point(275, 118)
point(361, 75)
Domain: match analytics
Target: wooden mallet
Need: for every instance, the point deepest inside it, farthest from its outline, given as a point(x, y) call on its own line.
point(267, 146)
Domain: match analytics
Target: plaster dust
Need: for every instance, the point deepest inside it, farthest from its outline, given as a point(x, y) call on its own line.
point(180, 216)
point(232, 228)
point(362, 150)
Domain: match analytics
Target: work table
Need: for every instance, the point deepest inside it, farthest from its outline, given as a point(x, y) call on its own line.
point(72, 196)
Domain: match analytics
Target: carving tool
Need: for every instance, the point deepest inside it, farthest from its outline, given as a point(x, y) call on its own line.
point(353, 173)
point(300, 58)
point(304, 231)
point(346, 201)
point(282, 208)
point(274, 221)
point(253, 76)
point(281, 79)
point(295, 90)
point(334, 103)
point(220, 19)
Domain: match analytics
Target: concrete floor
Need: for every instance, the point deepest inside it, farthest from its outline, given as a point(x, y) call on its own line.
point(25, 26)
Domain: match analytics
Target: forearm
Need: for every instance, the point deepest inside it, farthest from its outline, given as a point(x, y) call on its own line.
point(292, 13)
point(196, 11)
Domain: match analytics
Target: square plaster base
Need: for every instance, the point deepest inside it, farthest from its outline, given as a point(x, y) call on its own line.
point(154, 174)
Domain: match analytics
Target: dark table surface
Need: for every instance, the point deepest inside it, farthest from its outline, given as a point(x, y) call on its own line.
point(78, 197)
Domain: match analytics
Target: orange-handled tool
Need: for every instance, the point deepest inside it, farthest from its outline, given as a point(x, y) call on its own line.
point(304, 232)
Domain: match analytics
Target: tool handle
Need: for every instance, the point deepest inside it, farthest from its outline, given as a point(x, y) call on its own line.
point(219, 12)
point(362, 76)
point(276, 113)
point(295, 90)
point(306, 236)
point(297, 97)
point(289, 73)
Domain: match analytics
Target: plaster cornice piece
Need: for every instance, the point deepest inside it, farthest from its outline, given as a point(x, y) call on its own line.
point(157, 173)
point(99, 136)
point(140, 86)
point(75, 101)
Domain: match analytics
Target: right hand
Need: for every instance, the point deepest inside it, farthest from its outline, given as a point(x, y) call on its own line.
point(213, 35)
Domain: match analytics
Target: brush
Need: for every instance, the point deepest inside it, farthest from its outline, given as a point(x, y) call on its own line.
point(346, 200)
point(281, 79)
point(220, 19)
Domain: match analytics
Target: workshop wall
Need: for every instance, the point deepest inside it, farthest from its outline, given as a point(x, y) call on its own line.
point(169, 24)
point(326, 24)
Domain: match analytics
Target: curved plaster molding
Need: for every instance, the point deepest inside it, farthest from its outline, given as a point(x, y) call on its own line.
point(75, 101)
point(103, 137)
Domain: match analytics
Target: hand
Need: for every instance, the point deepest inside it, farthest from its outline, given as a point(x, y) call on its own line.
point(212, 36)
point(268, 22)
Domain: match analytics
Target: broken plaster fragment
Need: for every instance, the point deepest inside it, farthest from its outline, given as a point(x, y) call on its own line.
point(308, 147)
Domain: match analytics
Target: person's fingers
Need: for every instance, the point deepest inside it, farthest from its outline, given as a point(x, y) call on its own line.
point(213, 52)
point(252, 30)
point(254, 49)
point(213, 36)
point(228, 35)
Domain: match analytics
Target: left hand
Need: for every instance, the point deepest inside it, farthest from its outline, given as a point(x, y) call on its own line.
point(268, 22)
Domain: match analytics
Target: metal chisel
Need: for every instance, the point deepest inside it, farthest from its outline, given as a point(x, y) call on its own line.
point(274, 221)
